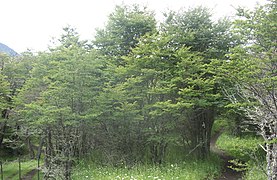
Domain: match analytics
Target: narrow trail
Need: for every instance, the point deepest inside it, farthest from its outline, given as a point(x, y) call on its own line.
point(29, 175)
point(227, 172)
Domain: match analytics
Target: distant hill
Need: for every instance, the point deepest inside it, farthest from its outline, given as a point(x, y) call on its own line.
point(6, 49)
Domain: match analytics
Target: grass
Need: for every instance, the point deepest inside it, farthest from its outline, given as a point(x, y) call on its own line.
point(243, 148)
point(190, 170)
point(11, 169)
point(247, 149)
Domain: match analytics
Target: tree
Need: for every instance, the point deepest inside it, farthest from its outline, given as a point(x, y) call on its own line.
point(195, 28)
point(59, 99)
point(197, 81)
point(252, 67)
point(4, 98)
point(124, 28)
point(119, 117)
point(14, 72)
point(117, 131)
point(148, 71)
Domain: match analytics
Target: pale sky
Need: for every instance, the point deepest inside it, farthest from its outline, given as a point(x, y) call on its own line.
point(32, 23)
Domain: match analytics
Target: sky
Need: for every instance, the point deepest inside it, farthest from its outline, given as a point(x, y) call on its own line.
point(31, 24)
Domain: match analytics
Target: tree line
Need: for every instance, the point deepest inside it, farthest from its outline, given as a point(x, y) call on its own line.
point(142, 90)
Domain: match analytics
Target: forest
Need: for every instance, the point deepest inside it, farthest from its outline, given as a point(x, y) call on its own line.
point(144, 99)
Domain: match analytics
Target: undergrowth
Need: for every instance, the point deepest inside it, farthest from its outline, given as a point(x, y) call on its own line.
point(190, 170)
point(247, 153)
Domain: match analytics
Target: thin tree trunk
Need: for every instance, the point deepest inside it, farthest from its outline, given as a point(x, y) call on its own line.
point(40, 146)
point(3, 126)
point(30, 147)
point(271, 158)
point(274, 161)
point(49, 153)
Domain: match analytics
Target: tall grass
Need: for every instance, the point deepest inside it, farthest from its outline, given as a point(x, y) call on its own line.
point(247, 149)
point(190, 170)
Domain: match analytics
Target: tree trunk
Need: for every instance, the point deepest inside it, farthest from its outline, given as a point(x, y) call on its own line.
point(49, 153)
point(2, 131)
point(201, 122)
point(274, 161)
point(40, 146)
point(3, 125)
point(271, 158)
point(30, 147)
point(271, 153)
point(158, 151)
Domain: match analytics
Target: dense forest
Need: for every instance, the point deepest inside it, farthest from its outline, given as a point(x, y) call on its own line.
point(143, 92)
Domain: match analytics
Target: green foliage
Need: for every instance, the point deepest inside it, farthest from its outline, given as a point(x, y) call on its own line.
point(252, 66)
point(125, 26)
point(13, 73)
point(62, 82)
point(5, 91)
point(195, 28)
point(243, 148)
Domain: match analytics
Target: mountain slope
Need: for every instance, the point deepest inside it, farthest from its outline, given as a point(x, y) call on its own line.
point(5, 49)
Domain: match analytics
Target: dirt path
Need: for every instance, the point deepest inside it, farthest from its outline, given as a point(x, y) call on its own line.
point(29, 175)
point(227, 173)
